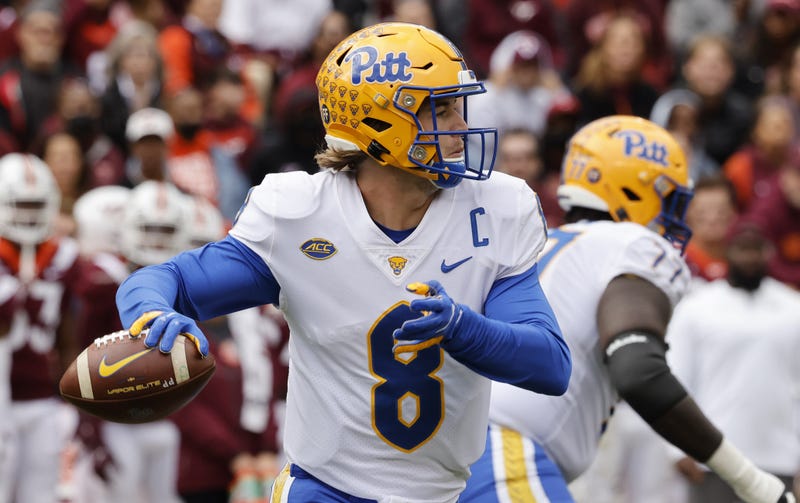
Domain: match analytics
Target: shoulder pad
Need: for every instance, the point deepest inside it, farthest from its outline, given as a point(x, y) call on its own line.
point(289, 195)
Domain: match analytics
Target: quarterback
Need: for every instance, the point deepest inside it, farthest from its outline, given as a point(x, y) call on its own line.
point(613, 272)
point(405, 287)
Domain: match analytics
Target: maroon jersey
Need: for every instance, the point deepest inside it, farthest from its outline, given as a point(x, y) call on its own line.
point(213, 427)
point(95, 289)
point(41, 306)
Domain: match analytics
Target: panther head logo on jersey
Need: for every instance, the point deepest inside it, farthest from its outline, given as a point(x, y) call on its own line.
point(397, 264)
point(633, 169)
point(388, 72)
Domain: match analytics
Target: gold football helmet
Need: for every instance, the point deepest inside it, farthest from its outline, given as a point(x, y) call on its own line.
point(373, 84)
point(631, 168)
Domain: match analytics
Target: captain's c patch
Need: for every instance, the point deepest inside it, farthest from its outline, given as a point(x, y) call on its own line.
point(318, 249)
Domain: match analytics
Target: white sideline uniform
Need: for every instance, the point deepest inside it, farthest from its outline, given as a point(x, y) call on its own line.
point(340, 350)
point(575, 268)
point(7, 446)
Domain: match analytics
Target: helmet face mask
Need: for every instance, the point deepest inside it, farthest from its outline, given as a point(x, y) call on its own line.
point(634, 170)
point(372, 88)
point(670, 222)
point(426, 149)
point(29, 199)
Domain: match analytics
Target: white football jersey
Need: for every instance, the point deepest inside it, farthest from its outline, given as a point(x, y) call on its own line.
point(576, 266)
point(358, 418)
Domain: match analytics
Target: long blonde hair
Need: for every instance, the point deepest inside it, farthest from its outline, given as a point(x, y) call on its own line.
point(129, 33)
point(338, 160)
point(593, 73)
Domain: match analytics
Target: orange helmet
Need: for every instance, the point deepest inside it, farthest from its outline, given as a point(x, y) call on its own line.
point(631, 168)
point(372, 86)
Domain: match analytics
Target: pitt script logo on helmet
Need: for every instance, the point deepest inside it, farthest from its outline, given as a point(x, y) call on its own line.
point(371, 88)
point(633, 169)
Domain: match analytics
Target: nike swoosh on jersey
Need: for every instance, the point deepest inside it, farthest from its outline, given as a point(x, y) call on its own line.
point(449, 267)
point(106, 370)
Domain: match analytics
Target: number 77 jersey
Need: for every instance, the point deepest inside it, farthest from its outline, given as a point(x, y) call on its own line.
point(575, 268)
point(406, 425)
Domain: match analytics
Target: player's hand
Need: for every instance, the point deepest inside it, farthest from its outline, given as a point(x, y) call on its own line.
point(165, 326)
point(439, 320)
point(690, 469)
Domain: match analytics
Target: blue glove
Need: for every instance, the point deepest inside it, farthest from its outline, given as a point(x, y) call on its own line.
point(439, 321)
point(166, 326)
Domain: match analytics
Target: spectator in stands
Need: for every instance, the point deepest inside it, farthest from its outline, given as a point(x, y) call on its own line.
point(748, 323)
point(725, 114)
point(9, 23)
point(296, 132)
point(63, 154)
point(229, 130)
point(562, 122)
point(195, 49)
point(134, 78)
point(413, 11)
point(771, 44)
point(30, 82)
point(610, 80)
point(90, 25)
point(278, 30)
point(587, 21)
point(78, 113)
point(190, 164)
point(789, 82)
point(778, 215)
point(522, 86)
point(490, 21)
point(518, 154)
point(678, 112)
point(710, 215)
point(771, 146)
point(686, 18)
point(148, 130)
point(152, 12)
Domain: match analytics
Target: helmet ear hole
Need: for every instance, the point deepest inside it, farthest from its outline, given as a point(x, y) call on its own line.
point(631, 195)
point(376, 124)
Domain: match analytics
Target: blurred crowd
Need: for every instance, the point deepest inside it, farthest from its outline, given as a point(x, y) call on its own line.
point(196, 100)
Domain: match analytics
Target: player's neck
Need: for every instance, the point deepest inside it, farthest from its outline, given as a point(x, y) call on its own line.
point(394, 198)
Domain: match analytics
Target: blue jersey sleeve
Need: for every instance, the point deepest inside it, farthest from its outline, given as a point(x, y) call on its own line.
point(518, 341)
point(219, 278)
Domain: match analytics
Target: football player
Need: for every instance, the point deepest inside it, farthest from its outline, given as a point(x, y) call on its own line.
point(137, 460)
point(613, 274)
point(406, 287)
point(36, 274)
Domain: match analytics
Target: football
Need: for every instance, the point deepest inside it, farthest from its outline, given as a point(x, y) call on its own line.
point(119, 379)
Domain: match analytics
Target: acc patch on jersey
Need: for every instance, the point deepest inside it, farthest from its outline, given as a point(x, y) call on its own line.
point(318, 249)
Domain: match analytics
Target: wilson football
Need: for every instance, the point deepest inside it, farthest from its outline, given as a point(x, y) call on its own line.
point(119, 379)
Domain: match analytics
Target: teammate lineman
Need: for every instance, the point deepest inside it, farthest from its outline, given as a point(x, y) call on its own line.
point(388, 392)
point(613, 281)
